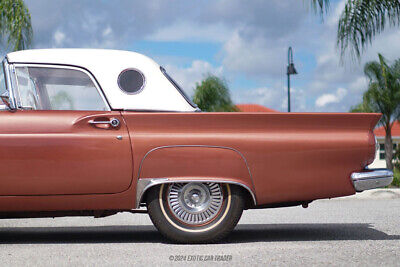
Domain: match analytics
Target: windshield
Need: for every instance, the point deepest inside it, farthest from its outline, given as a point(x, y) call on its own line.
point(180, 90)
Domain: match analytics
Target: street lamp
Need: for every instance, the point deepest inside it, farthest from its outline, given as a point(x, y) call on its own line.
point(291, 70)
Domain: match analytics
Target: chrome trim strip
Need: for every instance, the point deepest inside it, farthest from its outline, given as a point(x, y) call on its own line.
point(145, 183)
point(206, 146)
point(179, 89)
point(371, 179)
point(7, 70)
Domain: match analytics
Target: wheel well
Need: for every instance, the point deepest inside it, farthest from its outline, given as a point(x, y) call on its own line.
point(249, 200)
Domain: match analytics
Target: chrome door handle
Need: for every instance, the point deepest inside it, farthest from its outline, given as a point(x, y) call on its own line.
point(113, 122)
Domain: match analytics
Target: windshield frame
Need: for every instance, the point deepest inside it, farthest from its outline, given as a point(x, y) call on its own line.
point(7, 69)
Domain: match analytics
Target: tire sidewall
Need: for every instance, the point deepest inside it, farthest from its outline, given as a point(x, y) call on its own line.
point(166, 225)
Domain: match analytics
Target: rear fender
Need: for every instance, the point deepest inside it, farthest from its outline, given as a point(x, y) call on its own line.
point(193, 163)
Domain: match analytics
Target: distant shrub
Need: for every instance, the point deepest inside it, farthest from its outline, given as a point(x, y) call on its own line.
point(396, 178)
point(213, 95)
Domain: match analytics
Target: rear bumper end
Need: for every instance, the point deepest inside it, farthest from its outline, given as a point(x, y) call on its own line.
point(372, 178)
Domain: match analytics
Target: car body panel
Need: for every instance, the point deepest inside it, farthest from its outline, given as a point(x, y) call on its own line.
point(59, 152)
point(117, 201)
point(192, 163)
point(195, 161)
point(313, 146)
point(291, 157)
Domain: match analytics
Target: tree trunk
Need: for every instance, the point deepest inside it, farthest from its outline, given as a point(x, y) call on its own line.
point(389, 147)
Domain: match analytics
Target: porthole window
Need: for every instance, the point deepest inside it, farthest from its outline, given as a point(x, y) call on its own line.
point(131, 81)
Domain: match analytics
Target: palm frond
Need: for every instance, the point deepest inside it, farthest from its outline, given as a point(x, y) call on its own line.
point(373, 71)
point(362, 20)
point(320, 6)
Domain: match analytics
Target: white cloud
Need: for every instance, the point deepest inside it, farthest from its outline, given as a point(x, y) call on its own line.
point(105, 39)
point(326, 99)
point(59, 38)
point(359, 84)
point(107, 31)
point(271, 97)
point(253, 57)
point(188, 31)
point(333, 19)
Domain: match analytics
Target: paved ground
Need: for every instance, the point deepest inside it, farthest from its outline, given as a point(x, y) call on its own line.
point(355, 232)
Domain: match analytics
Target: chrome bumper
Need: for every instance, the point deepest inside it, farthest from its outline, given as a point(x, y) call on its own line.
point(370, 179)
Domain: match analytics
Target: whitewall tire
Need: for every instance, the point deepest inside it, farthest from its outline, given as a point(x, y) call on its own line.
point(195, 212)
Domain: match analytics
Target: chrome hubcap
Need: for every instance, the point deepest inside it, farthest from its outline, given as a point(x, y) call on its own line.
point(195, 203)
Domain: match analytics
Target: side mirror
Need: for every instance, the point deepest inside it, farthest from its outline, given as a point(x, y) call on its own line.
point(6, 101)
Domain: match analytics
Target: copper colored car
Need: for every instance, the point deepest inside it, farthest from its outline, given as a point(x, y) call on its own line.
point(97, 132)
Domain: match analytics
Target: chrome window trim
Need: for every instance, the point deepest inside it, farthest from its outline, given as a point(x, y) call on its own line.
point(94, 81)
point(144, 184)
point(179, 89)
point(7, 68)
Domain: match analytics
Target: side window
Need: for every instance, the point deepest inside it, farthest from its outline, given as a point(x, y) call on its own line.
point(46, 88)
point(28, 95)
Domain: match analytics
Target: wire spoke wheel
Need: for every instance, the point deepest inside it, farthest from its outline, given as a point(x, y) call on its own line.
point(195, 203)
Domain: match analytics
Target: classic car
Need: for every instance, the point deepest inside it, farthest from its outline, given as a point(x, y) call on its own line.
point(86, 132)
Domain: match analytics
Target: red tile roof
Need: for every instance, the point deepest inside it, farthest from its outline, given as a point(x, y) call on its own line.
point(253, 108)
point(395, 130)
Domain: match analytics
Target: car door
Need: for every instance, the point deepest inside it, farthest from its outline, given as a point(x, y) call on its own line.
point(62, 138)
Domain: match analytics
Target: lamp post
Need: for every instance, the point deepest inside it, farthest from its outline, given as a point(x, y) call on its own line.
point(291, 70)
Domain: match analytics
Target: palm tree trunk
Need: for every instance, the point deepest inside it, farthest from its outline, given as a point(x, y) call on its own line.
point(389, 147)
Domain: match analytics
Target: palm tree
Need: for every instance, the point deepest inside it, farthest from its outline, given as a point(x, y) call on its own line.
point(383, 96)
point(15, 24)
point(361, 20)
point(212, 94)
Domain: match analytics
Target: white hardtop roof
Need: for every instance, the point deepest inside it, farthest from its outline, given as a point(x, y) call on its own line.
point(106, 65)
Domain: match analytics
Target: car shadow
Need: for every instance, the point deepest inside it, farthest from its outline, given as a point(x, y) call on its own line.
point(306, 232)
point(243, 233)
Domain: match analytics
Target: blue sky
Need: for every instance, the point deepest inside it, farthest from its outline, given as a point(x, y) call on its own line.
point(245, 42)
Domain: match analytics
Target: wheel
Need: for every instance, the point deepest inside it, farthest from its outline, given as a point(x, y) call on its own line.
point(195, 212)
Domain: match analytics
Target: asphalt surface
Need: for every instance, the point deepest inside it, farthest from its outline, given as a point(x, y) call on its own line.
point(355, 232)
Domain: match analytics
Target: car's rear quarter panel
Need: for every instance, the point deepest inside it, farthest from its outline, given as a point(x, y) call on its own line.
point(291, 157)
